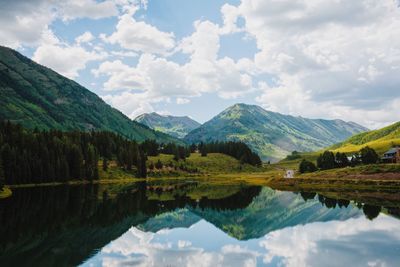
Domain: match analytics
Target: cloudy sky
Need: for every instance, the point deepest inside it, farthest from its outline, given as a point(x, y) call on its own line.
point(314, 58)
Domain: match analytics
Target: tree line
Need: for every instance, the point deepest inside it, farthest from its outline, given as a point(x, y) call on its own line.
point(329, 160)
point(34, 156)
point(237, 150)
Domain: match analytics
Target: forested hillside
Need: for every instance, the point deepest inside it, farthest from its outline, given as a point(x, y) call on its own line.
point(37, 97)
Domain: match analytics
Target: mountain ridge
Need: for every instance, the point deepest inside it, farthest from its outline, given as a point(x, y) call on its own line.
point(177, 126)
point(37, 97)
point(272, 135)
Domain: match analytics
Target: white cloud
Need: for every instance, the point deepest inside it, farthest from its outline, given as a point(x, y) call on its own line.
point(131, 104)
point(84, 37)
point(340, 54)
point(23, 22)
point(140, 36)
point(140, 248)
point(162, 79)
point(352, 241)
point(182, 101)
point(66, 59)
point(73, 9)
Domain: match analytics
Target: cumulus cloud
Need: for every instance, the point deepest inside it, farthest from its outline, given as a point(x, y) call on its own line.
point(23, 22)
point(140, 36)
point(162, 79)
point(352, 241)
point(356, 241)
point(132, 104)
point(341, 54)
point(142, 248)
point(84, 37)
point(73, 9)
point(66, 59)
point(181, 100)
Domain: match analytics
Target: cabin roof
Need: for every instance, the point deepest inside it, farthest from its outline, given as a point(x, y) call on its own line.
point(392, 150)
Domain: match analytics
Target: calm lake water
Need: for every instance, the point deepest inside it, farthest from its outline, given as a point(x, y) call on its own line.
point(192, 224)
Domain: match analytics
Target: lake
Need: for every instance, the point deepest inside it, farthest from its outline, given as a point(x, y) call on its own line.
point(196, 224)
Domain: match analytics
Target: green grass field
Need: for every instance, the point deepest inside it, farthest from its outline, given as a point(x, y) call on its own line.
point(198, 165)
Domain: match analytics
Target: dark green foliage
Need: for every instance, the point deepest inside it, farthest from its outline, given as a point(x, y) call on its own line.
point(179, 152)
point(326, 161)
point(341, 160)
point(141, 165)
point(151, 147)
point(238, 150)
point(371, 212)
point(368, 155)
point(54, 156)
point(2, 180)
point(293, 156)
point(105, 164)
point(308, 195)
point(203, 150)
point(307, 166)
point(91, 163)
point(37, 97)
point(159, 165)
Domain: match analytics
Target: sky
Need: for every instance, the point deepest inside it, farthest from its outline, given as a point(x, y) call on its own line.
point(334, 59)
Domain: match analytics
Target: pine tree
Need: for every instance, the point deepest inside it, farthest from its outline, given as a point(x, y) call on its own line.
point(2, 178)
point(326, 161)
point(105, 164)
point(307, 166)
point(368, 155)
point(159, 165)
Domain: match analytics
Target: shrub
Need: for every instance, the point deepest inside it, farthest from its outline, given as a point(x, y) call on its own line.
point(307, 166)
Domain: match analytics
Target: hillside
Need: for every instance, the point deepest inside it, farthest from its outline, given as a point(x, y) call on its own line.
point(173, 125)
point(272, 135)
point(214, 163)
point(37, 97)
point(380, 140)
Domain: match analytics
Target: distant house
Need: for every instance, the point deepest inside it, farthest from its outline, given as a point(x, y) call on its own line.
point(289, 174)
point(392, 155)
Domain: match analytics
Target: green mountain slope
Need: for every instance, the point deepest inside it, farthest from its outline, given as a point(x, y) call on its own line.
point(172, 125)
point(35, 96)
point(273, 135)
point(381, 140)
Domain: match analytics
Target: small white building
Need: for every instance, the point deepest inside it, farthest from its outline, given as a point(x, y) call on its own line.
point(289, 174)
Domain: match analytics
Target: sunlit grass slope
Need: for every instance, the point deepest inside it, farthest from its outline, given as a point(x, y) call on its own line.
point(380, 140)
point(212, 163)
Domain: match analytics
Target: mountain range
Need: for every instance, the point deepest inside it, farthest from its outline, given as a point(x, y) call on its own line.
point(173, 125)
point(272, 135)
point(37, 97)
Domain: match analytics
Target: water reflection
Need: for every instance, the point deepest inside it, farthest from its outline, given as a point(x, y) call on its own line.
point(353, 242)
point(180, 224)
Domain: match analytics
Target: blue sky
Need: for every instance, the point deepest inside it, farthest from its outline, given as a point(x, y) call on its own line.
point(317, 59)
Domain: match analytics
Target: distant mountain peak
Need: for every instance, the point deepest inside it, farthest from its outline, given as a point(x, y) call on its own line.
point(177, 126)
point(272, 135)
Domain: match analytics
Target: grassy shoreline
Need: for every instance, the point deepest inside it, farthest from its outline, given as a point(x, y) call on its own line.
point(222, 170)
point(5, 192)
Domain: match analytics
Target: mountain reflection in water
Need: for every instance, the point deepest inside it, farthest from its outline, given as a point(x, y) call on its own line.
point(190, 224)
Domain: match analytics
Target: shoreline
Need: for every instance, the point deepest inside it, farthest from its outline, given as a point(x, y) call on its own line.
point(5, 192)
